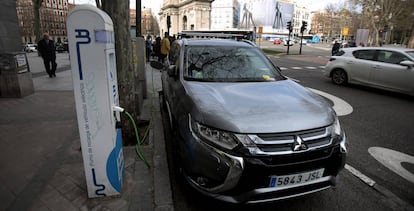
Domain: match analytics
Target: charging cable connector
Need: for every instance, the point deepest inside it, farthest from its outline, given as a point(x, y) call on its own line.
point(117, 108)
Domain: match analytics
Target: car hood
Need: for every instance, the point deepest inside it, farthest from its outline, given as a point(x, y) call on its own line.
point(258, 107)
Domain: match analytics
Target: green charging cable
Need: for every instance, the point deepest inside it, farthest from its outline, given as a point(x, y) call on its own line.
point(138, 145)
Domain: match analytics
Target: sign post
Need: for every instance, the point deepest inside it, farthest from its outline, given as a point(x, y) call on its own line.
point(93, 64)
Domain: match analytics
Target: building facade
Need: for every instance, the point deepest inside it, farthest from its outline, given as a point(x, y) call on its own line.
point(225, 14)
point(301, 13)
point(149, 24)
point(185, 15)
point(53, 15)
point(272, 15)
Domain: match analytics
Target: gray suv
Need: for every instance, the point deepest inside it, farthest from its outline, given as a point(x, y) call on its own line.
point(246, 133)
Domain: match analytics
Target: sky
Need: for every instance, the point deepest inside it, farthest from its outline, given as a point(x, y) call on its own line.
point(155, 5)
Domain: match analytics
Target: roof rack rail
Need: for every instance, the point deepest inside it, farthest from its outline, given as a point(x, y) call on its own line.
point(201, 35)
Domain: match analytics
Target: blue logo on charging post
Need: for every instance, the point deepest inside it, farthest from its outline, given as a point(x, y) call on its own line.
point(115, 163)
point(81, 34)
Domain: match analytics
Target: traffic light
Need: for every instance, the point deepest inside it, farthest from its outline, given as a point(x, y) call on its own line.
point(304, 25)
point(289, 26)
point(168, 21)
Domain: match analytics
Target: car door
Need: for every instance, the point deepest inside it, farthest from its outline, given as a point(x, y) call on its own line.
point(360, 68)
point(170, 75)
point(390, 74)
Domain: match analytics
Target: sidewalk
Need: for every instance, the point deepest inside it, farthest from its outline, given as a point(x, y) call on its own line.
point(41, 162)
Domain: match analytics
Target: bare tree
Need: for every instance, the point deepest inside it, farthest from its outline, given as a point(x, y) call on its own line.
point(384, 16)
point(118, 10)
point(37, 4)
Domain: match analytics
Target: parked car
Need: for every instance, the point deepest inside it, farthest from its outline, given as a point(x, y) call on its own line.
point(61, 47)
point(30, 48)
point(385, 68)
point(277, 41)
point(244, 132)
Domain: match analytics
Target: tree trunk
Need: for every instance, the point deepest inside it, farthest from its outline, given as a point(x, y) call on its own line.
point(37, 4)
point(118, 10)
point(411, 42)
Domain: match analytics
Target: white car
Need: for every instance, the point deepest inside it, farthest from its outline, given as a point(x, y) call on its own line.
point(385, 68)
point(285, 42)
point(30, 48)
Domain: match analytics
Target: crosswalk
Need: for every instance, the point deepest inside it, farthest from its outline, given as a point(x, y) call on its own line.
point(298, 67)
point(302, 68)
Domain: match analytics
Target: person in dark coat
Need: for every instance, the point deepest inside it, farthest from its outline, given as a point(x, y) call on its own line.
point(335, 48)
point(46, 48)
point(148, 46)
point(157, 48)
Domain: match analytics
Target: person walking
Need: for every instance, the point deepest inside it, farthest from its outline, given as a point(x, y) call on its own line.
point(148, 45)
point(46, 48)
point(157, 48)
point(165, 47)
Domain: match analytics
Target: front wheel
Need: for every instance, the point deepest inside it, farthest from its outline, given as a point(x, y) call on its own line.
point(339, 77)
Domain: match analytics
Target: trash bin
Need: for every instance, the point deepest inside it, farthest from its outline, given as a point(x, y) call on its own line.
point(15, 76)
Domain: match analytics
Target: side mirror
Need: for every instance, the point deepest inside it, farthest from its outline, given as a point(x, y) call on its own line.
point(157, 65)
point(408, 64)
point(172, 71)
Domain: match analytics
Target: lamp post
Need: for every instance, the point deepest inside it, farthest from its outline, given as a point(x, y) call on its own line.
point(138, 18)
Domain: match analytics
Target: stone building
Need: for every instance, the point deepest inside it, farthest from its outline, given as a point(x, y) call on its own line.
point(149, 24)
point(53, 15)
point(185, 15)
point(225, 14)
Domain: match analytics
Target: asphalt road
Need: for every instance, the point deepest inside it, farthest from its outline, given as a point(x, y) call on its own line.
point(379, 119)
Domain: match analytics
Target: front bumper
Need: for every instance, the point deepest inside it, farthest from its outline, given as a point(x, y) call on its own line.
point(238, 179)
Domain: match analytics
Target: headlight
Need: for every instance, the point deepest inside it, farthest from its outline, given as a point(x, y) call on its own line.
point(337, 127)
point(337, 130)
point(213, 136)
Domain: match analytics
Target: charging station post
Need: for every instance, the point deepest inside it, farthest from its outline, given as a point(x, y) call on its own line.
point(93, 64)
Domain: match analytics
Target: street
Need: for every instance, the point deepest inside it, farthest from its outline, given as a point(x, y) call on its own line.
point(379, 124)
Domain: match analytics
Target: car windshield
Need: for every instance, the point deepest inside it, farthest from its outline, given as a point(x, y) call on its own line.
point(228, 64)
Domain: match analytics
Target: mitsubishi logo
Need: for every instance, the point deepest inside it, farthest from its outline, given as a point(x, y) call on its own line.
point(298, 144)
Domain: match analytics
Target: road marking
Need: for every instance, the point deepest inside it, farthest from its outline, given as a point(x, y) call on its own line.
point(297, 68)
point(323, 67)
point(312, 68)
point(392, 160)
point(283, 68)
point(360, 175)
point(341, 107)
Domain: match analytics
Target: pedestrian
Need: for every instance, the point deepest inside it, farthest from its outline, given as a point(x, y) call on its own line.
point(165, 47)
point(157, 48)
point(335, 48)
point(46, 48)
point(148, 46)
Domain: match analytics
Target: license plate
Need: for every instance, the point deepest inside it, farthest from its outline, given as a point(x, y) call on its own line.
point(293, 179)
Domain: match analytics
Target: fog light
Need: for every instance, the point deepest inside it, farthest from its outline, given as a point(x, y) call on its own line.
point(202, 181)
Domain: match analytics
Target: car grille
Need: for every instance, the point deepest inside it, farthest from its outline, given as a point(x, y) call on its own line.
point(282, 143)
point(258, 170)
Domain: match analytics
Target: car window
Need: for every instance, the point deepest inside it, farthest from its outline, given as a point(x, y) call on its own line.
point(364, 54)
point(410, 53)
point(391, 57)
point(227, 63)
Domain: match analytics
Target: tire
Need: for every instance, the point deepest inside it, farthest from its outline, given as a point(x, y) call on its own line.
point(339, 77)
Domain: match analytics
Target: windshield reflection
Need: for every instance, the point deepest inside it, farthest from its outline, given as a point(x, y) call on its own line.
point(225, 63)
